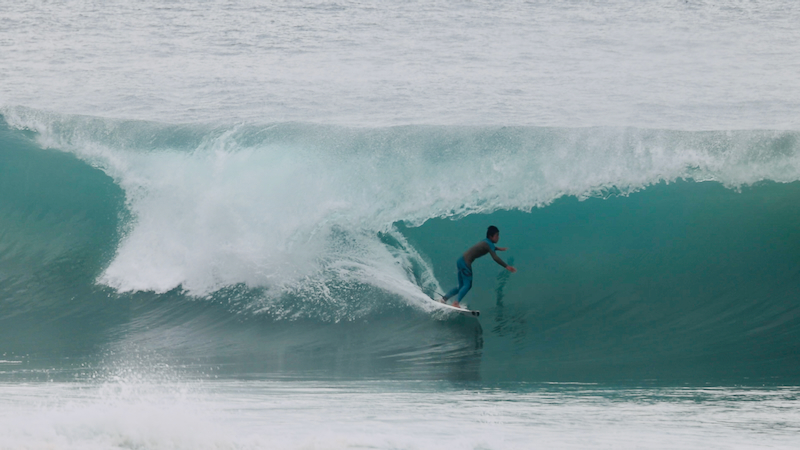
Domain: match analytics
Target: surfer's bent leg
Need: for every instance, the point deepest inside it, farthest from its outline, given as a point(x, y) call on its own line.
point(452, 293)
point(464, 279)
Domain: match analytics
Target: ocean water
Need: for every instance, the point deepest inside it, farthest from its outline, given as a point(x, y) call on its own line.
point(221, 223)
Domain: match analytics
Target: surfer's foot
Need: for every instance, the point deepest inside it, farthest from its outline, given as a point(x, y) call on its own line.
point(456, 305)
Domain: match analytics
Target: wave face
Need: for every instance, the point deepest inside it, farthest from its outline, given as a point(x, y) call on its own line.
point(298, 248)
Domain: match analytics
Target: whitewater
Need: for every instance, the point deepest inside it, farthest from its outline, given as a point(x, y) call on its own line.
point(221, 224)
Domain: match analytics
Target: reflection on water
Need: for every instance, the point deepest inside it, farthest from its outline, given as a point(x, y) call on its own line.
point(508, 322)
point(502, 279)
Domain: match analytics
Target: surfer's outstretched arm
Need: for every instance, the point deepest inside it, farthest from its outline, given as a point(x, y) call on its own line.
point(498, 260)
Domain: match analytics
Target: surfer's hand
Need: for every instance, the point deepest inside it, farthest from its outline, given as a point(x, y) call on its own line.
point(501, 249)
point(511, 269)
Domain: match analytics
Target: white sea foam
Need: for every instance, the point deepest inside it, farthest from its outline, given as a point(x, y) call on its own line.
point(289, 415)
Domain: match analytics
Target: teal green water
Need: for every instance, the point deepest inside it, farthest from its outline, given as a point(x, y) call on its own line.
point(673, 282)
point(689, 280)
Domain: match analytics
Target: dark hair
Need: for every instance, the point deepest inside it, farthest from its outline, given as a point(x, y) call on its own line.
point(492, 231)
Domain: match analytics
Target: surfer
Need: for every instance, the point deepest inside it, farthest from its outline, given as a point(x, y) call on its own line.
point(464, 264)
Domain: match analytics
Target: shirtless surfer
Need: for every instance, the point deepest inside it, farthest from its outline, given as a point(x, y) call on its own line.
point(464, 264)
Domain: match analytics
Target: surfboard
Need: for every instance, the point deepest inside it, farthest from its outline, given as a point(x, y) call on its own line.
point(466, 312)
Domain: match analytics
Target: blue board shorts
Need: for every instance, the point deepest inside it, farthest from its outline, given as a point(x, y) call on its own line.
point(464, 280)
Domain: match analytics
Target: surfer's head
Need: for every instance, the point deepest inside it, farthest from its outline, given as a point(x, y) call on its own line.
point(493, 234)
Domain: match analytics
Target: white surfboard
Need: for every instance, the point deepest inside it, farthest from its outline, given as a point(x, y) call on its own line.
point(466, 312)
